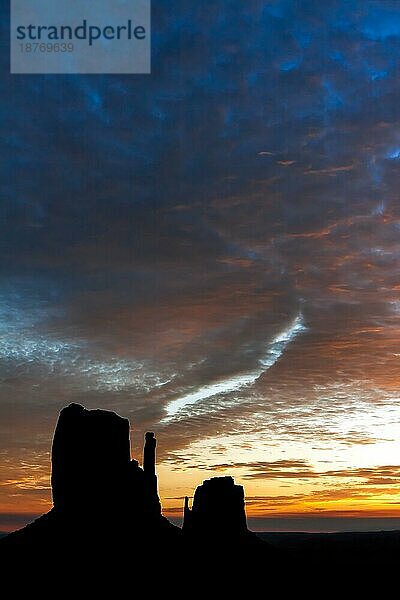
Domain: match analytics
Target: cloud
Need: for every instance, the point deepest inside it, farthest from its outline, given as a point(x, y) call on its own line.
point(385, 475)
point(275, 348)
point(329, 170)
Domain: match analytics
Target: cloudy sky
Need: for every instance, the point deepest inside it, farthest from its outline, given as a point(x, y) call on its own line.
point(213, 251)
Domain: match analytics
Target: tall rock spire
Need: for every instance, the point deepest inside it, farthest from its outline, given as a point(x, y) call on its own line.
point(187, 516)
point(149, 469)
point(149, 454)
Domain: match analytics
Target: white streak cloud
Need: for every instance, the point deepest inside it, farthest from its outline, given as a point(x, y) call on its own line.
point(275, 350)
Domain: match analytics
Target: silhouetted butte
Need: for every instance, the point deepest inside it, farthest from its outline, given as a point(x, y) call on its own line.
point(102, 499)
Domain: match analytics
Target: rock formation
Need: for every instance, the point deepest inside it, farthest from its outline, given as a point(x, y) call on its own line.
point(150, 478)
point(104, 502)
point(90, 459)
point(92, 470)
point(101, 497)
point(218, 512)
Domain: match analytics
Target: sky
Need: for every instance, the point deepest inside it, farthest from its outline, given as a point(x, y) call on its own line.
point(213, 251)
